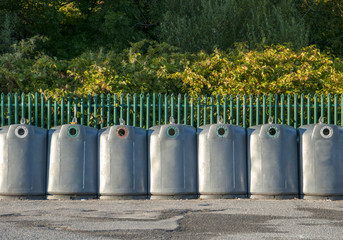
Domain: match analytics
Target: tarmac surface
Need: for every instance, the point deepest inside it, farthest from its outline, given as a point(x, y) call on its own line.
point(171, 219)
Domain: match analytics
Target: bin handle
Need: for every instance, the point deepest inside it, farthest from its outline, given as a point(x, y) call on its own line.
point(171, 120)
point(74, 120)
point(321, 120)
point(22, 121)
point(121, 121)
point(270, 120)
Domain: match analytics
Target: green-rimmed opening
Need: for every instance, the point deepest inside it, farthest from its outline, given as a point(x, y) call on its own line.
point(172, 131)
point(73, 131)
point(222, 131)
point(273, 132)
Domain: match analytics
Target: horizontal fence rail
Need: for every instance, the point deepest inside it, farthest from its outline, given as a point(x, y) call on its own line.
point(147, 110)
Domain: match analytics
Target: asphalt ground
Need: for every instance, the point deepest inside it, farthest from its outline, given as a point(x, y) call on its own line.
point(171, 219)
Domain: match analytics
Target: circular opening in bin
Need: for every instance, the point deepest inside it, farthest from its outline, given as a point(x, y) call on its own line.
point(326, 132)
point(273, 132)
point(222, 131)
point(21, 131)
point(172, 132)
point(73, 131)
point(122, 132)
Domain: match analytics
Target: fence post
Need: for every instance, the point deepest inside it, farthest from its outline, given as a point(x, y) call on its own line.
point(29, 109)
point(185, 110)
point(121, 106)
point(244, 111)
point(49, 113)
point(55, 113)
point(82, 107)
point(205, 109)
point(238, 108)
point(42, 110)
point(153, 109)
point(309, 109)
point(2, 109)
point(102, 106)
point(166, 109)
point(36, 109)
point(322, 113)
point(128, 113)
point(225, 109)
point(276, 106)
point(251, 109)
point(159, 109)
point(89, 110)
point(231, 109)
point(282, 106)
point(192, 112)
point(95, 110)
point(141, 110)
point(69, 109)
point(108, 120)
point(302, 109)
point(147, 126)
point(295, 110)
point(199, 110)
point(315, 100)
point(172, 105)
point(211, 110)
point(75, 106)
point(329, 108)
point(336, 109)
point(23, 105)
point(179, 108)
point(264, 106)
point(135, 110)
point(16, 118)
point(257, 109)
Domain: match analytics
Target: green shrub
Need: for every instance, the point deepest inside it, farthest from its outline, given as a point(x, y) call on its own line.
point(275, 69)
point(153, 67)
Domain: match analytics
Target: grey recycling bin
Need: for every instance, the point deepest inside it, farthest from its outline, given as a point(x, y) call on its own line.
point(321, 161)
point(172, 162)
point(23, 162)
point(222, 162)
point(123, 163)
point(272, 161)
point(72, 162)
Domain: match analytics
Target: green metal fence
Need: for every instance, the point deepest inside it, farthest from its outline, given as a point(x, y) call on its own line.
point(146, 110)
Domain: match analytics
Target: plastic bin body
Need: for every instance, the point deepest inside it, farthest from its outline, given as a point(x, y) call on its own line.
point(123, 162)
point(222, 162)
point(272, 161)
point(23, 161)
point(172, 161)
point(321, 161)
point(72, 163)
